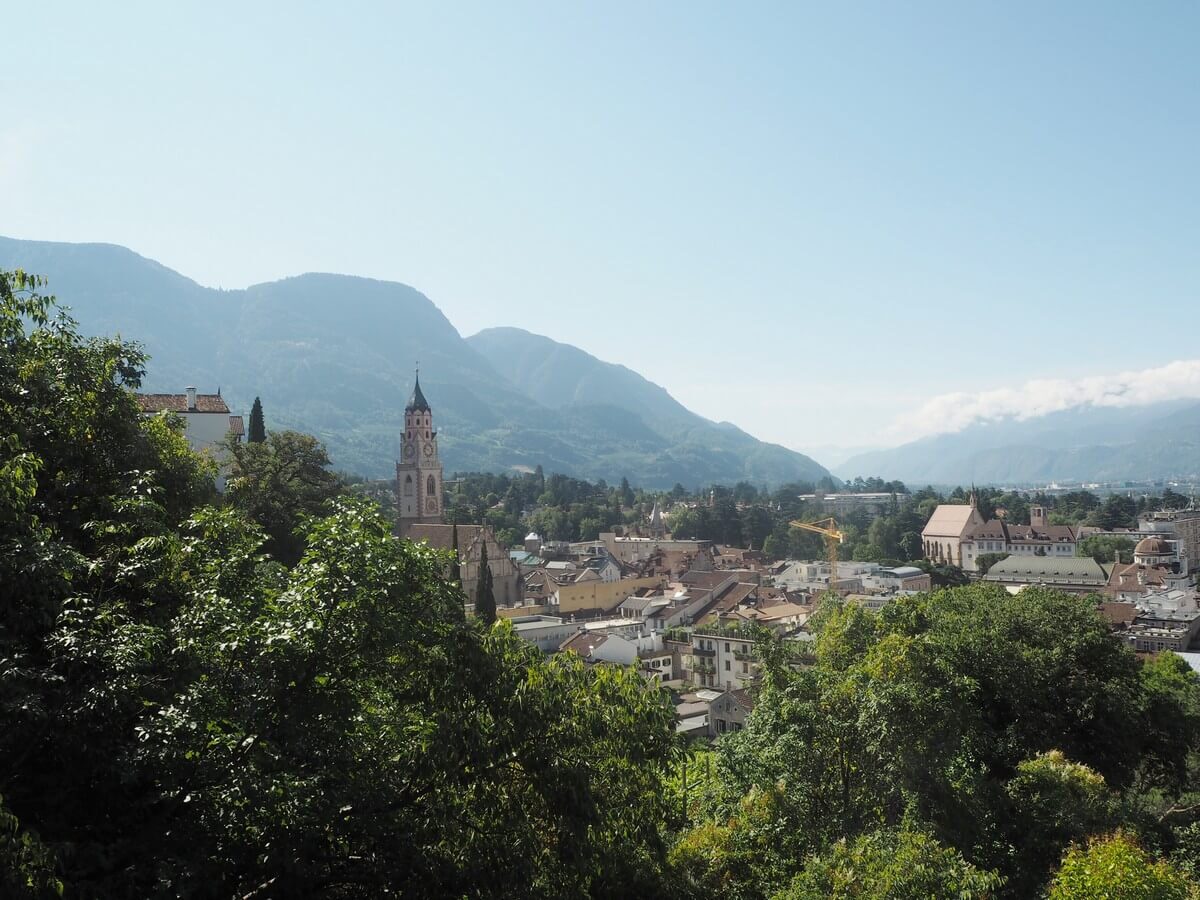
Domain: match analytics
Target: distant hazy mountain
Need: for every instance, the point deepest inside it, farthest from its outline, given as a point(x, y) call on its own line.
point(333, 355)
point(582, 387)
point(1084, 444)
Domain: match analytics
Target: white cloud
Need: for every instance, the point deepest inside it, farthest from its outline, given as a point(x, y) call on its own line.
point(955, 411)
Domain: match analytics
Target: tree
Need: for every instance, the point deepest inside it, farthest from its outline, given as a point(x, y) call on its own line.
point(279, 482)
point(485, 597)
point(258, 430)
point(891, 865)
point(1117, 512)
point(455, 563)
point(1116, 868)
point(985, 561)
point(181, 714)
point(627, 497)
point(911, 546)
point(1106, 548)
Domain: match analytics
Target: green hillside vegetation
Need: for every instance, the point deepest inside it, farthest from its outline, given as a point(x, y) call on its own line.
point(190, 706)
point(333, 356)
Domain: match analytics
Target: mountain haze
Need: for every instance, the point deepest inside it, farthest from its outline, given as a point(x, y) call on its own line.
point(1087, 443)
point(334, 355)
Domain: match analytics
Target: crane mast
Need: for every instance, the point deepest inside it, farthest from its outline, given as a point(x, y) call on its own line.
point(833, 536)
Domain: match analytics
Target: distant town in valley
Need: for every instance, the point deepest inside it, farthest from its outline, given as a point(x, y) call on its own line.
point(663, 580)
point(600, 451)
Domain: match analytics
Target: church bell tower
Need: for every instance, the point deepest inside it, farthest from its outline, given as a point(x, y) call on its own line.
point(419, 471)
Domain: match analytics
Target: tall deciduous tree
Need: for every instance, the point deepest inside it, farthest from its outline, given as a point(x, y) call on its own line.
point(257, 432)
point(277, 483)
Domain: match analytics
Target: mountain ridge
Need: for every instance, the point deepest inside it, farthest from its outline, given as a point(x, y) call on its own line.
point(1085, 443)
point(334, 355)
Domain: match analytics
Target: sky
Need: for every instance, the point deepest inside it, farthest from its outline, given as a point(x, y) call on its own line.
point(836, 225)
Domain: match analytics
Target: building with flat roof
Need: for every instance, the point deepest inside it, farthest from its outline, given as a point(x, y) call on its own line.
point(1076, 575)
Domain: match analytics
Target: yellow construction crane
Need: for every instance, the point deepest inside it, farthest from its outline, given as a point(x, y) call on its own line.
point(828, 528)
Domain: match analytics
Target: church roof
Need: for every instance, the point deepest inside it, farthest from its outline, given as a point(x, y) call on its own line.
point(417, 401)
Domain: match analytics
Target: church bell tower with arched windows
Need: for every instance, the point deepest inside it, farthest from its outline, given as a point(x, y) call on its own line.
point(419, 471)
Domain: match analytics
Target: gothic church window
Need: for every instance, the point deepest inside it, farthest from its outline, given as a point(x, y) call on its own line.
point(408, 486)
point(431, 486)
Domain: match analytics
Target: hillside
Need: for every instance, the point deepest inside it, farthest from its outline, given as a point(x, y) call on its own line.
point(579, 385)
point(333, 355)
point(1085, 444)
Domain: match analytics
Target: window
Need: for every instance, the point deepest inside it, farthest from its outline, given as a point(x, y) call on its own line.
point(726, 665)
point(408, 486)
point(431, 487)
point(721, 725)
point(727, 646)
point(745, 668)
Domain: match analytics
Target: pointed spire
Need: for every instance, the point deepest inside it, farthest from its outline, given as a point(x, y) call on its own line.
point(417, 401)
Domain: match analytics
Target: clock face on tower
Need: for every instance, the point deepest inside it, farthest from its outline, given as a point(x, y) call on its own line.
point(410, 449)
point(428, 450)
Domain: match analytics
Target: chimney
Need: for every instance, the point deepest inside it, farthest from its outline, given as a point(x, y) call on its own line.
point(191, 398)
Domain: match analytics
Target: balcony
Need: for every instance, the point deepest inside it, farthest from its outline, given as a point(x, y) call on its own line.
point(697, 651)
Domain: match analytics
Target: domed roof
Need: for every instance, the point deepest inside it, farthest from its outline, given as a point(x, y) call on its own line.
point(532, 536)
point(1153, 546)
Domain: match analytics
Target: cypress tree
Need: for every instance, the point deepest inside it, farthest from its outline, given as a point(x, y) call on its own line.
point(258, 431)
point(455, 567)
point(485, 598)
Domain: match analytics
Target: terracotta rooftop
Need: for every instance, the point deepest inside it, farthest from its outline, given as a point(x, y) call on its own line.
point(236, 426)
point(583, 643)
point(205, 403)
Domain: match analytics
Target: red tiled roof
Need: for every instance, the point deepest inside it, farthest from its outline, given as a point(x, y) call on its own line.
point(235, 426)
point(205, 403)
point(583, 643)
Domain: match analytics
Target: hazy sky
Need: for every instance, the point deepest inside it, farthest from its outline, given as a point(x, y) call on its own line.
point(809, 220)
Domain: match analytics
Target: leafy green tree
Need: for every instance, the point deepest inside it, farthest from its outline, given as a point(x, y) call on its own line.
point(1117, 512)
point(891, 865)
point(485, 597)
point(985, 561)
point(911, 546)
point(1106, 548)
point(1116, 868)
point(277, 483)
point(1055, 802)
point(257, 432)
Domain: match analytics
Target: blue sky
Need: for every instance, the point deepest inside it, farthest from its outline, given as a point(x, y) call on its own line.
point(810, 220)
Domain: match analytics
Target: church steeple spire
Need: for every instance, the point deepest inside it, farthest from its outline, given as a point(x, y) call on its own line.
point(419, 471)
point(417, 401)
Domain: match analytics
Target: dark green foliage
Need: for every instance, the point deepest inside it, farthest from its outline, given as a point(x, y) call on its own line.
point(183, 715)
point(455, 562)
point(1004, 727)
point(1106, 548)
point(891, 865)
point(985, 561)
point(485, 597)
point(257, 432)
point(277, 483)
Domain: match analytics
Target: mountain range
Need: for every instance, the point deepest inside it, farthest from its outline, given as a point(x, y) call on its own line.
point(333, 355)
point(1088, 444)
